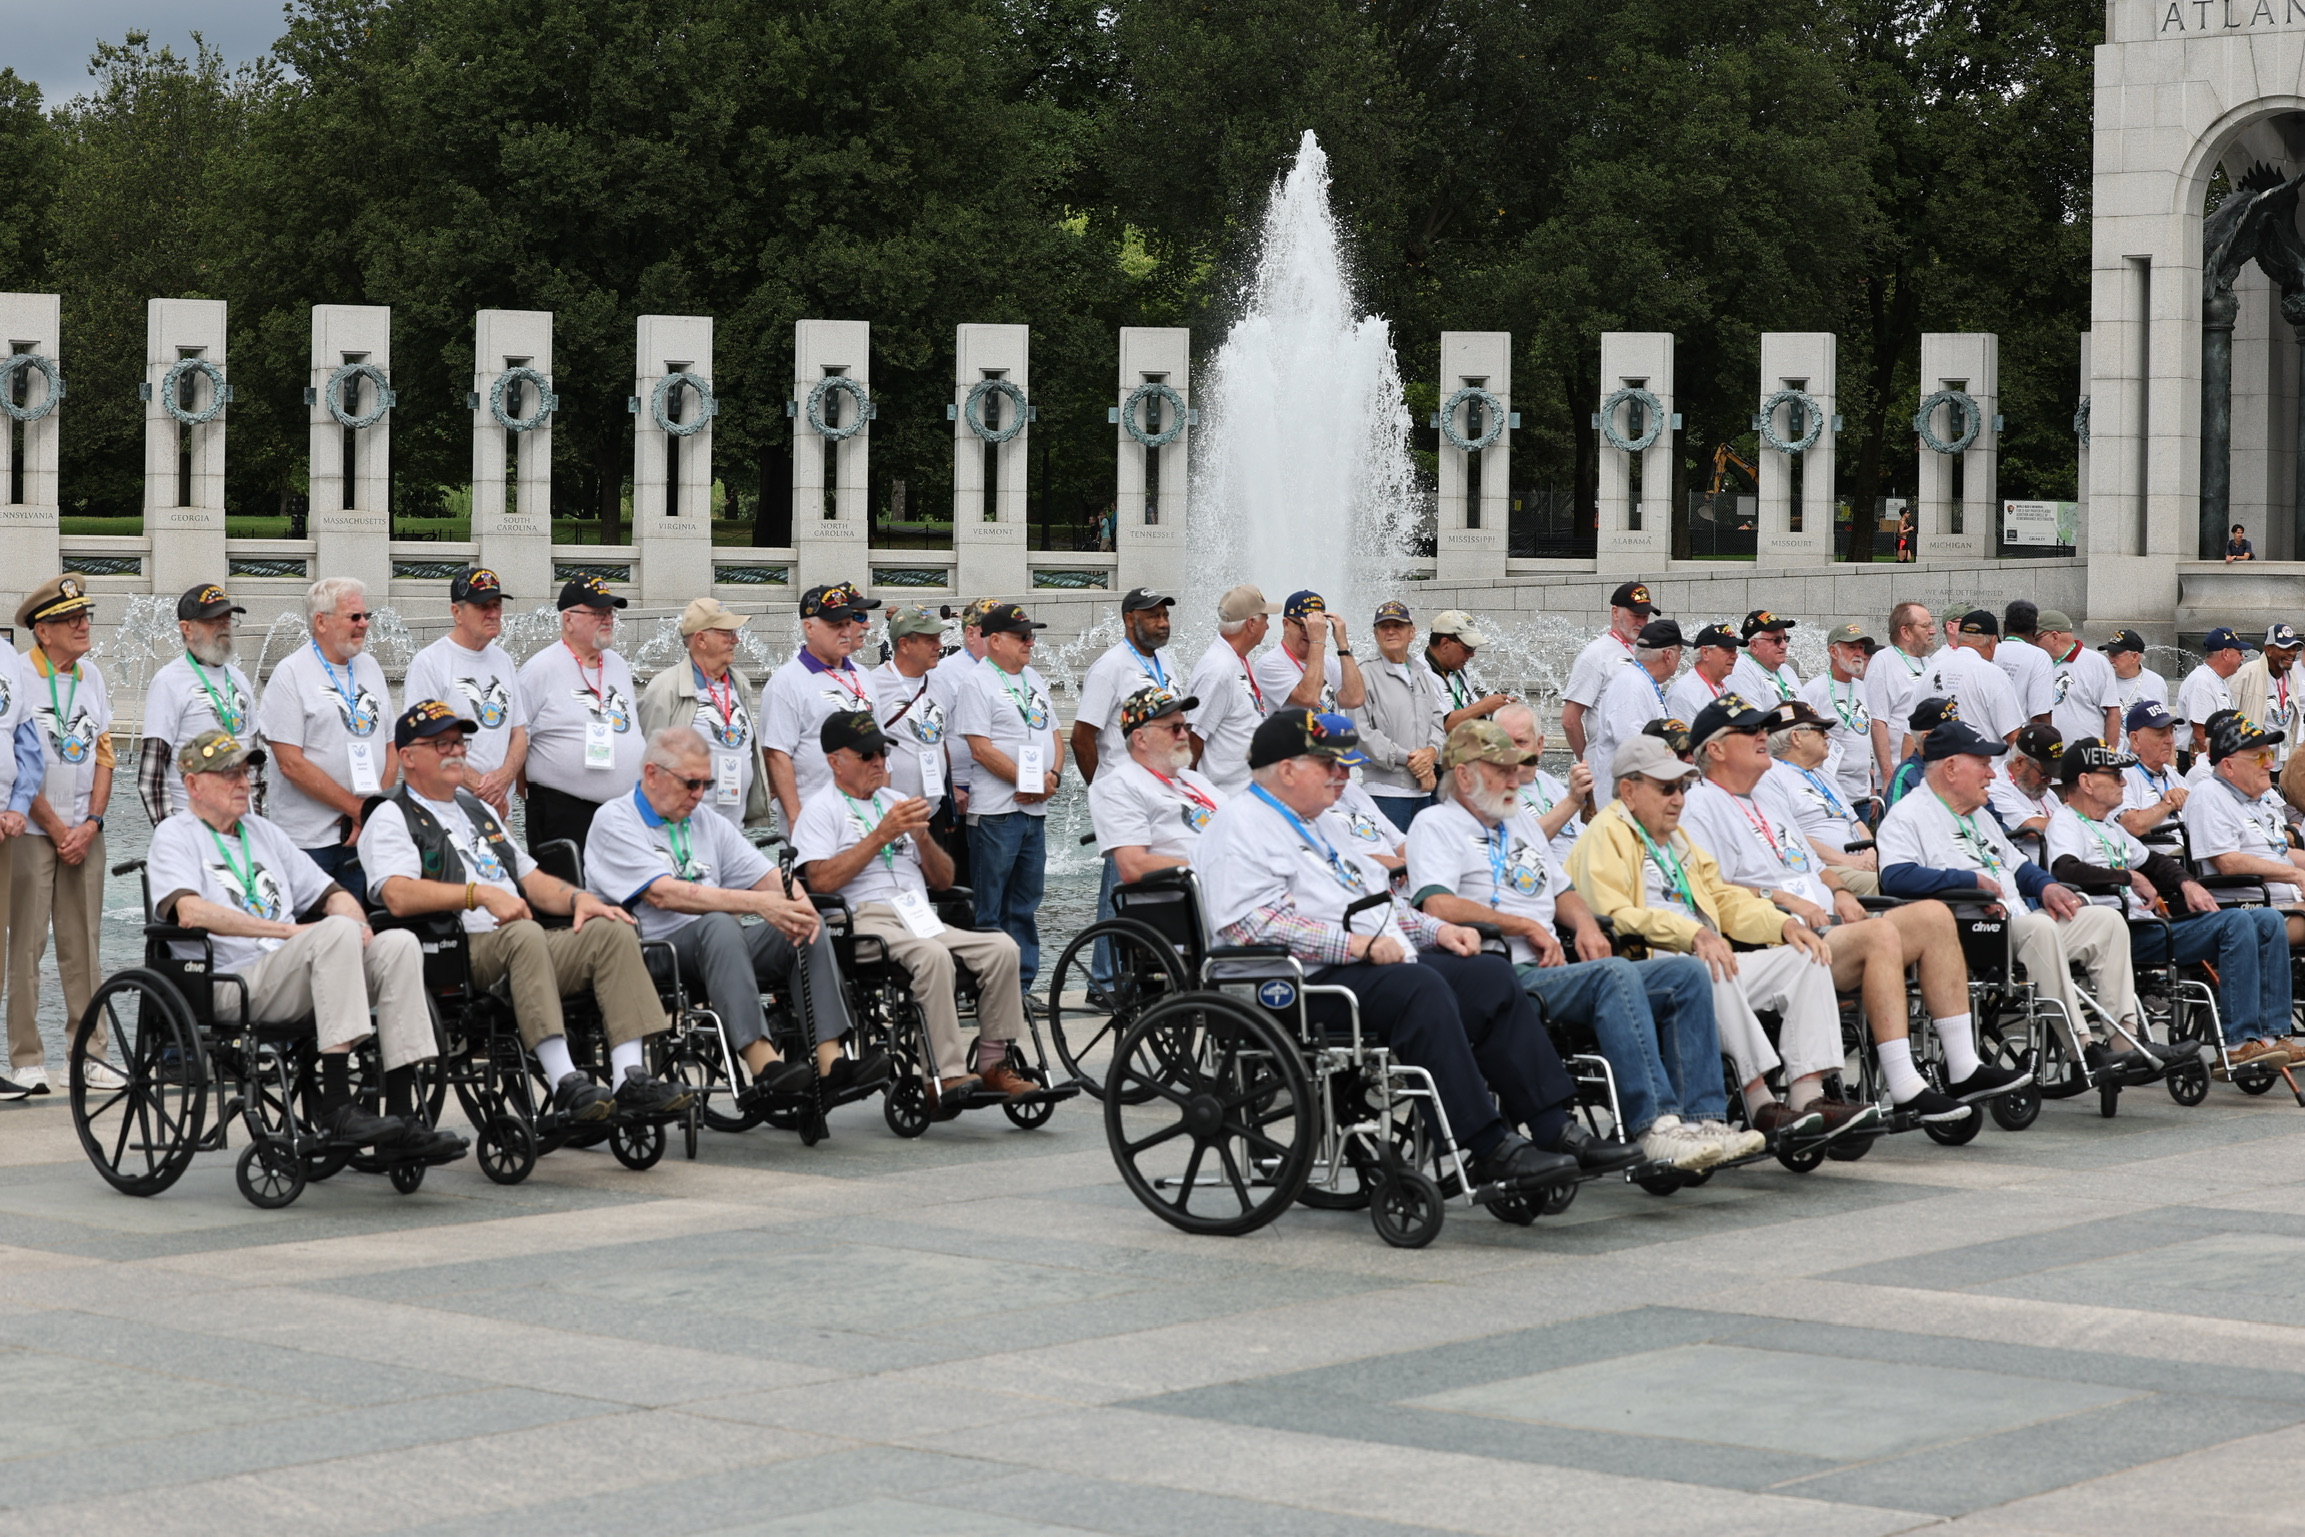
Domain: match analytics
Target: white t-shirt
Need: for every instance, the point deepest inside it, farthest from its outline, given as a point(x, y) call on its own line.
point(1355, 822)
point(1893, 685)
point(1455, 690)
point(1228, 715)
point(2082, 686)
point(2200, 696)
point(1851, 731)
point(1109, 681)
point(1132, 807)
point(1251, 856)
point(831, 823)
point(1752, 680)
point(1978, 689)
point(799, 696)
point(181, 703)
point(944, 680)
point(2014, 805)
point(1688, 694)
point(304, 708)
point(2028, 669)
point(387, 849)
point(483, 686)
point(1633, 700)
point(1509, 867)
point(2141, 787)
point(563, 701)
point(918, 731)
point(1596, 668)
point(727, 726)
point(2148, 684)
point(1539, 797)
point(1818, 803)
point(15, 709)
point(273, 879)
point(1278, 674)
point(73, 717)
point(631, 848)
point(1922, 830)
point(1756, 840)
point(2221, 820)
point(2106, 844)
point(1008, 711)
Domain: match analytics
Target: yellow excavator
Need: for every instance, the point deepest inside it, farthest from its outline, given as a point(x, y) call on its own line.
point(1723, 457)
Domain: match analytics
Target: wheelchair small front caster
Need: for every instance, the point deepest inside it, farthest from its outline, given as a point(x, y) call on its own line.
point(2189, 1081)
point(269, 1175)
point(1406, 1208)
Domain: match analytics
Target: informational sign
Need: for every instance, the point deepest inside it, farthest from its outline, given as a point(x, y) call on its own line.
point(2044, 523)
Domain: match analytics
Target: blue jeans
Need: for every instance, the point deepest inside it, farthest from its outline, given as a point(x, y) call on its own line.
point(1008, 862)
point(1612, 998)
point(2249, 946)
point(1100, 954)
point(1680, 989)
point(340, 862)
point(1401, 810)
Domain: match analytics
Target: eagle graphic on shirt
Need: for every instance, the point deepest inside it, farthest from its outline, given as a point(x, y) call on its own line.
point(732, 732)
point(236, 705)
point(479, 856)
point(491, 700)
point(1364, 828)
point(74, 741)
point(360, 714)
point(925, 721)
point(263, 896)
point(610, 706)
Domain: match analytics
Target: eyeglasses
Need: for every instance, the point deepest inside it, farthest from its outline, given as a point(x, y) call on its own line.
point(444, 744)
point(1668, 790)
point(690, 785)
point(1172, 727)
point(870, 754)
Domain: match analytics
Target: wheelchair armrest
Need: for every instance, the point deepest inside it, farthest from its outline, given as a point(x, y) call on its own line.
point(952, 894)
point(1166, 875)
point(1486, 930)
point(1879, 904)
point(2098, 888)
point(383, 920)
point(2229, 882)
point(828, 901)
point(1245, 952)
point(1857, 847)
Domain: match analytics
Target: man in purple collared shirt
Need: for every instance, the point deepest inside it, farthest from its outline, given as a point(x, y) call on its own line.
point(820, 681)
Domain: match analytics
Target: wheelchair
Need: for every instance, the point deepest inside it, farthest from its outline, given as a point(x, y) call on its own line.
point(186, 1074)
point(2251, 1078)
point(500, 1085)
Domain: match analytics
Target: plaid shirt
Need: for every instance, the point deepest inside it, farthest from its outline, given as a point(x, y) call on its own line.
point(153, 764)
point(1315, 939)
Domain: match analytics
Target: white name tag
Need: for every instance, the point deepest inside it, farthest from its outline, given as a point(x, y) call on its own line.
point(932, 773)
point(365, 780)
point(1031, 768)
point(599, 745)
point(918, 916)
point(62, 779)
point(727, 779)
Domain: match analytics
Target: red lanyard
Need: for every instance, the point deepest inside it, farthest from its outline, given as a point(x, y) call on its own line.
point(1709, 683)
point(1187, 791)
point(838, 675)
point(1760, 825)
point(599, 691)
point(1249, 676)
point(723, 699)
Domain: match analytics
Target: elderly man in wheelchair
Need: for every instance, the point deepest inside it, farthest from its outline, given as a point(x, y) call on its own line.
point(433, 846)
point(217, 867)
point(2234, 821)
point(1482, 856)
point(1271, 872)
point(857, 839)
point(688, 879)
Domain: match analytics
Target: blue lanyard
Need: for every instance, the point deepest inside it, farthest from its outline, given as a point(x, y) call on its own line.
point(1347, 875)
point(344, 690)
point(1495, 846)
point(1832, 801)
point(1151, 666)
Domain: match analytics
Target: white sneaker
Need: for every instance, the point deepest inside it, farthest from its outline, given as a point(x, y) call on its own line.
point(101, 1075)
point(1671, 1140)
point(33, 1079)
point(1734, 1143)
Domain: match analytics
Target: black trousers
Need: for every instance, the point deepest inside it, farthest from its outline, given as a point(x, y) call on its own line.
point(1466, 1021)
point(553, 815)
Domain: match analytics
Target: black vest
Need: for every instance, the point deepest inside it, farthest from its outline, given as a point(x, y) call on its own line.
point(436, 856)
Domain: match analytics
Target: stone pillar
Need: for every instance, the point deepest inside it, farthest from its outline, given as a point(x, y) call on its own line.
point(351, 470)
point(1966, 529)
point(2081, 457)
point(1475, 511)
point(672, 474)
point(1149, 514)
point(184, 466)
point(1637, 538)
point(1807, 361)
point(512, 471)
point(28, 487)
point(988, 519)
point(830, 479)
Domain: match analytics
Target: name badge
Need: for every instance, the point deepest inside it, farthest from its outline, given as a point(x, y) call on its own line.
point(58, 786)
point(1031, 768)
point(918, 916)
point(365, 780)
point(932, 773)
point(727, 779)
point(599, 745)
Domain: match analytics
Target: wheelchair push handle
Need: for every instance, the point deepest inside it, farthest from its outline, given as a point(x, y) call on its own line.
point(128, 867)
point(1373, 899)
point(1857, 847)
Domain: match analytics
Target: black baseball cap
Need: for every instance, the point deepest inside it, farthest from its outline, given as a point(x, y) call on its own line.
point(1718, 635)
point(1143, 598)
point(206, 601)
point(1980, 621)
point(1151, 703)
point(1956, 739)
point(840, 602)
point(1633, 595)
point(1929, 714)
point(477, 584)
point(2237, 733)
point(1761, 619)
point(2124, 640)
point(853, 729)
point(1298, 733)
point(1729, 712)
point(589, 592)
point(428, 717)
point(2042, 744)
point(1660, 632)
point(1009, 619)
point(2090, 756)
point(1673, 733)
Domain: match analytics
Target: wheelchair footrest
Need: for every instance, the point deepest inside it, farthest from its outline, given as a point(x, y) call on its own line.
point(985, 1099)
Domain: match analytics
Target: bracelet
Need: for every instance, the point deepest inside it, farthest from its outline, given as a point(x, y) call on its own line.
point(471, 895)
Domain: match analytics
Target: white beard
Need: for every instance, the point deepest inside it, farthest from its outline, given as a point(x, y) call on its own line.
point(216, 653)
point(1490, 803)
point(1181, 756)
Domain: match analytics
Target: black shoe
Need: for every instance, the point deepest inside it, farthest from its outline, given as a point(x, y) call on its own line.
point(1520, 1164)
point(2168, 1053)
point(2105, 1063)
point(1593, 1155)
point(580, 1099)
point(1935, 1109)
point(430, 1145)
point(1989, 1082)
point(10, 1089)
point(650, 1096)
point(849, 1075)
point(778, 1080)
point(351, 1125)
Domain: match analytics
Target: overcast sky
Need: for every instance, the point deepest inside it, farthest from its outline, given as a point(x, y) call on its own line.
point(50, 40)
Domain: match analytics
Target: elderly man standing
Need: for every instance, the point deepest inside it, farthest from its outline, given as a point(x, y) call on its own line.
point(1300, 671)
point(709, 695)
point(2132, 679)
point(584, 737)
point(1716, 649)
point(1005, 714)
point(1141, 657)
point(1232, 702)
point(1895, 682)
point(2205, 691)
point(1399, 724)
point(1964, 673)
point(56, 876)
point(1596, 666)
point(201, 690)
point(2268, 686)
point(822, 679)
point(325, 715)
point(2082, 684)
point(1555, 805)
point(2024, 661)
point(1839, 698)
point(909, 711)
point(1762, 673)
point(468, 669)
point(1635, 697)
point(1450, 641)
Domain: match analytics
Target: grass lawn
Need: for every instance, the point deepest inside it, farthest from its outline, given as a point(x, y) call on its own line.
point(452, 530)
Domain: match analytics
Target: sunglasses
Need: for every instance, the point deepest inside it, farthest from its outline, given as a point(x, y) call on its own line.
point(1172, 727)
point(353, 618)
point(690, 785)
point(870, 754)
point(1662, 787)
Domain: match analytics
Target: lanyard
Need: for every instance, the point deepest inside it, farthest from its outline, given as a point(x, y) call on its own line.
point(1460, 693)
point(1824, 788)
point(1537, 787)
point(887, 852)
point(63, 714)
point(676, 834)
point(1347, 875)
point(598, 691)
point(842, 675)
point(1911, 666)
point(1021, 701)
point(723, 696)
point(1709, 683)
point(1857, 721)
point(2116, 854)
point(243, 872)
point(1249, 676)
point(1151, 667)
point(1967, 827)
point(1179, 787)
point(1495, 847)
point(1759, 821)
point(1668, 865)
point(1777, 682)
point(226, 716)
point(2160, 781)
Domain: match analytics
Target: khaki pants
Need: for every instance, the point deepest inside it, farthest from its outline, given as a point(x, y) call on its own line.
point(991, 956)
point(2098, 938)
point(1800, 992)
point(45, 891)
point(546, 965)
point(1858, 883)
point(326, 972)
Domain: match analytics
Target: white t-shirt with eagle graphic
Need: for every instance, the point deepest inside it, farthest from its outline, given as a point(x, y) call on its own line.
point(73, 716)
point(323, 708)
point(483, 686)
point(181, 703)
point(563, 700)
point(260, 871)
point(631, 848)
point(914, 719)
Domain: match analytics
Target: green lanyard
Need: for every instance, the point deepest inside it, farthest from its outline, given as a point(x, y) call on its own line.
point(62, 713)
point(2116, 854)
point(1970, 835)
point(1668, 865)
point(1536, 787)
point(1777, 682)
point(226, 716)
point(887, 852)
point(1460, 692)
point(1021, 701)
point(676, 833)
point(1844, 710)
point(243, 872)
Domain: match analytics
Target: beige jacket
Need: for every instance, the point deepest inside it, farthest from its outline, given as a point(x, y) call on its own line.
point(671, 699)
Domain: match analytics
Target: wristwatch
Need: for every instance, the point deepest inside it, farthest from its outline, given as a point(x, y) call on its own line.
point(99, 821)
point(1344, 651)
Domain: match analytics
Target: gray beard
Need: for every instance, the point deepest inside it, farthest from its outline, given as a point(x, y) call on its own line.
point(215, 653)
point(1490, 803)
point(1181, 756)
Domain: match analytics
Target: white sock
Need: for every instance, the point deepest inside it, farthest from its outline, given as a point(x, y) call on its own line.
point(1801, 1093)
point(1905, 1080)
point(623, 1060)
point(553, 1054)
point(1959, 1038)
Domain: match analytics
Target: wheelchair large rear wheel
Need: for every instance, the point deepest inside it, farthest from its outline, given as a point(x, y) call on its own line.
point(1084, 1021)
point(1208, 1115)
point(141, 1130)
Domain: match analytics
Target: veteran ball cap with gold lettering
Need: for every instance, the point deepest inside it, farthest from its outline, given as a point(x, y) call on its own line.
point(1482, 741)
point(1635, 596)
point(1302, 602)
point(60, 597)
point(2043, 745)
point(426, 718)
point(855, 730)
point(476, 584)
point(1152, 703)
point(216, 752)
point(838, 603)
point(589, 592)
point(1760, 621)
point(206, 601)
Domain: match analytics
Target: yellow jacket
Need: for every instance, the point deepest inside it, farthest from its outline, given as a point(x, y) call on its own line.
point(1606, 866)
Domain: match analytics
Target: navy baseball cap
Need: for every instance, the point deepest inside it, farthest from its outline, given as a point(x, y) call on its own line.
point(1929, 714)
point(1718, 635)
point(1956, 739)
point(2284, 636)
point(2148, 715)
point(2220, 639)
point(1302, 602)
point(1341, 728)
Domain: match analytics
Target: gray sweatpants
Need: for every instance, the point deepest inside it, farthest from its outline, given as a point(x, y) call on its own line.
point(732, 962)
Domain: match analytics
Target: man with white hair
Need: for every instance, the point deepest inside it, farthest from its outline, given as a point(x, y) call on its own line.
point(326, 717)
point(1838, 696)
point(1232, 702)
point(821, 680)
point(1895, 682)
point(1555, 805)
point(2133, 681)
point(2087, 694)
point(584, 737)
point(1802, 779)
point(1596, 666)
point(1636, 695)
point(1714, 658)
point(708, 694)
point(201, 690)
point(1964, 673)
point(1763, 672)
point(1148, 809)
point(469, 670)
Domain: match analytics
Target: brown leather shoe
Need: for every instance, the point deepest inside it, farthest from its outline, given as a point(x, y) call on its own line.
point(1004, 1079)
point(965, 1083)
point(1776, 1120)
point(1841, 1116)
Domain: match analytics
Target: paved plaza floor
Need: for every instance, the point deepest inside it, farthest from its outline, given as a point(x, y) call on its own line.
point(2089, 1327)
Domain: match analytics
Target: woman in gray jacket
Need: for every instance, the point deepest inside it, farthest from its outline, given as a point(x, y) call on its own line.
point(1400, 721)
